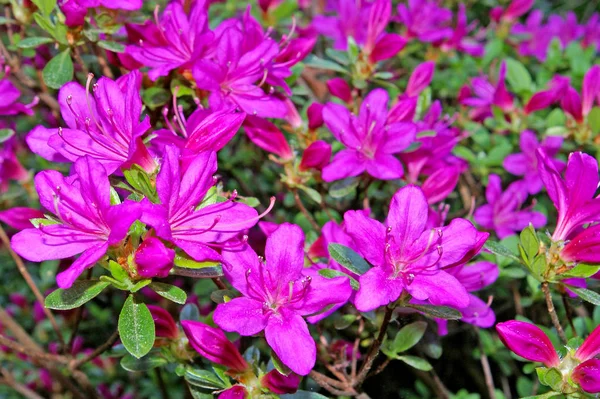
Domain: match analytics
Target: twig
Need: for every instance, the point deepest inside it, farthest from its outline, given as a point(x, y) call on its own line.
point(15, 346)
point(75, 364)
point(103, 64)
point(304, 211)
point(485, 365)
point(552, 312)
point(374, 350)
point(79, 60)
point(569, 311)
point(36, 292)
point(331, 385)
point(17, 331)
point(22, 389)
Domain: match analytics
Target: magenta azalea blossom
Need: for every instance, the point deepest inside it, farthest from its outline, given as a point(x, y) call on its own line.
point(580, 106)
point(104, 124)
point(503, 212)
point(276, 296)
point(180, 191)
point(425, 20)
point(203, 130)
point(237, 67)
point(86, 222)
point(459, 40)
point(485, 95)
point(10, 167)
point(370, 140)
point(182, 40)
point(9, 100)
point(526, 163)
point(409, 257)
point(76, 10)
point(574, 196)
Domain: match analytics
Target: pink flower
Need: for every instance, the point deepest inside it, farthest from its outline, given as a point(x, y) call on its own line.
point(528, 341)
point(153, 258)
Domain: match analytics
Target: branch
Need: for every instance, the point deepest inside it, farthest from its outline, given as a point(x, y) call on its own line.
point(36, 292)
point(485, 365)
point(75, 364)
point(304, 211)
point(552, 312)
point(374, 350)
point(9, 380)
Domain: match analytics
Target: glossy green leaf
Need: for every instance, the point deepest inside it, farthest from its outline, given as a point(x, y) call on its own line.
point(416, 362)
point(342, 188)
point(529, 243)
point(409, 336)
point(136, 327)
point(348, 258)
point(171, 292)
point(59, 70)
point(79, 293)
point(204, 379)
point(587, 295)
point(501, 250)
point(33, 42)
point(330, 273)
point(132, 364)
point(438, 312)
point(112, 46)
point(315, 62)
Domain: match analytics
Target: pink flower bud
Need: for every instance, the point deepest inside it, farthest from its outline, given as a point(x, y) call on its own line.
point(316, 156)
point(235, 392)
point(587, 375)
point(516, 9)
point(267, 136)
point(315, 116)
point(340, 89)
point(153, 259)
point(528, 341)
point(279, 383)
point(163, 322)
point(420, 78)
point(590, 347)
point(496, 14)
point(212, 343)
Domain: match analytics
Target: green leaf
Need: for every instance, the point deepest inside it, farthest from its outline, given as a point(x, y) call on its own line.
point(33, 42)
point(136, 327)
point(112, 46)
point(582, 270)
point(117, 271)
point(529, 243)
point(517, 76)
point(344, 321)
point(538, 266)
point(409, 336)
point(416, 362)
point(170, 292)
point(342, 188)
point(6, 134)
point(501, 250)
point(312, 193)
point(59, 70)
point(252, 202)
point(587, 295)
point(186, 263)
point(155, 97)
point(140, 284)
point(114, 196)
point(205, 272)
point(79, 293)
point(138, 178)
point(45, 6)
point(37, 222)
point(330, 273)
point(543, 396)
point(348, 258)
point(315, 62)
point(593, 119)
point(285, 10)
point(551, 377)
point(204, 379)
point(282, 368)
point(132, 364)
point(189, 312)
point(438, 312)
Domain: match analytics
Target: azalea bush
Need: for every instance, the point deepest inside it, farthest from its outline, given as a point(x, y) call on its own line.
point(299, 199)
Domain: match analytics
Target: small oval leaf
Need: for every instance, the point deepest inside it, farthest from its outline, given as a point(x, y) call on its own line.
point(79, 293)
point(136, 327)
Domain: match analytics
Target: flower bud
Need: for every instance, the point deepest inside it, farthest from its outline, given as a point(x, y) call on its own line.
point(163, 322)
point(340, 89)
point(153, 259)
point(279, 383)
point(528, 341)
point(316, 156)
point(587, 375)
point(590, 347)
point(212, 343)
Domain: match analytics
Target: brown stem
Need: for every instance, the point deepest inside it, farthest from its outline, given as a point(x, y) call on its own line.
point(15, 346)
point(374, 350)
point(330, 384)
point(103, 64)
point(485, 365)
point(552, 312)
point(75, 364)
point(304, 211)
point(79, 60)
point(219, 283)
point(36, 292)
point(569, 312)
point(17, 331)
point(9, 380)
